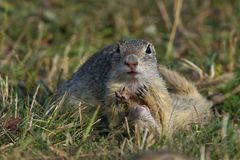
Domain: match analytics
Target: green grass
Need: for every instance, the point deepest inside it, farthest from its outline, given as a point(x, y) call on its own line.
point(38, 39)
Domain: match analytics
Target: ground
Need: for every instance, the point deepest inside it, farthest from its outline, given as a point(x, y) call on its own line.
point(43, 42)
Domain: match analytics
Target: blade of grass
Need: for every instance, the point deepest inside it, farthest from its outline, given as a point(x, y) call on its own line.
point(90, 124)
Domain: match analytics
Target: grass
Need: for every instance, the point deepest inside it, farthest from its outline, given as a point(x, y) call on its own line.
point(38, 39)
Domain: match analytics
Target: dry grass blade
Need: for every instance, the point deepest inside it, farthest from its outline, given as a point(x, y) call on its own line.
point(224, 126)
point(175, 26)
point(34, 99)
point(205, 81)
point(163, 11)
point(232, 49)
point(3, 147)
point(217, 99)
point(202, 151)
point(53, 70)
point(144, 137)
point(193, 67)
point(212, 71)
point(216, 81)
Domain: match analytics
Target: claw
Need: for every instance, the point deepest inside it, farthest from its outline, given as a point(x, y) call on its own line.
point(118, 98)
point(145, 87)
point(140, 94)
point(139, 91)
point(142, 91)
point(118, 95)
point(122, 96)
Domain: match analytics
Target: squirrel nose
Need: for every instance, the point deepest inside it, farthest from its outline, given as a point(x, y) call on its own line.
point(131, 61)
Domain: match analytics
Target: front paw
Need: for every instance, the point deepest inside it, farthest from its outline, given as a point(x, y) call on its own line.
point(122, 96)
point(142, 91)
point(141, 115)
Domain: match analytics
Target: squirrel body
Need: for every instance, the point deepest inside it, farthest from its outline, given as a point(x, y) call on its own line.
point(133, 64)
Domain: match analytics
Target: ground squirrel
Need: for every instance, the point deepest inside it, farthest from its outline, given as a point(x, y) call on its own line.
point(132, 65)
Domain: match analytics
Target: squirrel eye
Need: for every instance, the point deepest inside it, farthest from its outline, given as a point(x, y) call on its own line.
point(148, 50)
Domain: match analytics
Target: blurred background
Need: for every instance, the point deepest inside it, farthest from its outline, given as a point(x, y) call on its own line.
point(39, 37)
point(42, 40)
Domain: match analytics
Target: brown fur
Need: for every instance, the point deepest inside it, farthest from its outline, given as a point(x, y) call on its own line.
point(179, 111)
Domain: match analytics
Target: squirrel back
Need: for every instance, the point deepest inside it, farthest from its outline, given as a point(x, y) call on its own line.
point(88, 83)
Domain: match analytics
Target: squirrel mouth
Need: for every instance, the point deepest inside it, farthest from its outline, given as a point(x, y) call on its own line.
point(132, 73)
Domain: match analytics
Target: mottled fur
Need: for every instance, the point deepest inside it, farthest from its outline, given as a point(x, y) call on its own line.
point(97, 81)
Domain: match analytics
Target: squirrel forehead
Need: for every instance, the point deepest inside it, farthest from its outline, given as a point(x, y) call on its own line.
point(134, 42)
point(133, 46)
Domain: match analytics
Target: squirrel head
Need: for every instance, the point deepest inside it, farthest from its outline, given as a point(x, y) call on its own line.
point(135, 60)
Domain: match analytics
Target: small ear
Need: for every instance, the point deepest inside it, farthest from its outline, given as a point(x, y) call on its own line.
point(149, 49)
point(118, 48)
